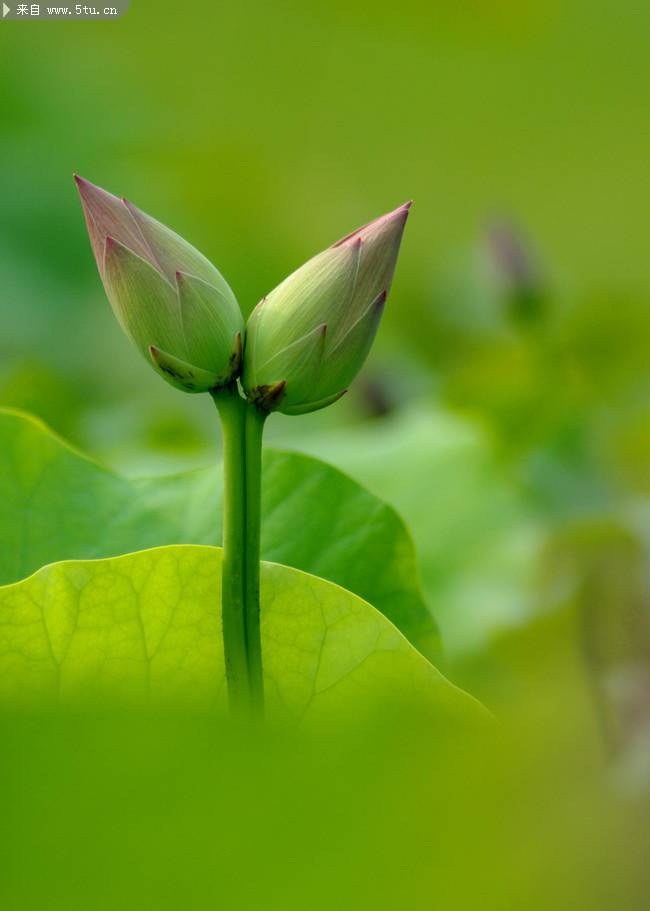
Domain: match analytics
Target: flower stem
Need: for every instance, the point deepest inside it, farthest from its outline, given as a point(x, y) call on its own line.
point(232, 410)
point(255, 419)
point(240, 600)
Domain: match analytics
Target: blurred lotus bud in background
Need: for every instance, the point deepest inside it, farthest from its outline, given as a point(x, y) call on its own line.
point(516, 271)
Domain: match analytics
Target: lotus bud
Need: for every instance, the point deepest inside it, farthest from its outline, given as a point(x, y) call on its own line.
point(307, 339)
point(517, 271)
point(169, 299)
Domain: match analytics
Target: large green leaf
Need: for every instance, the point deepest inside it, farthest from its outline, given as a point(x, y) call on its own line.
point(56, 504)
point(146, 628)
point(476, 533)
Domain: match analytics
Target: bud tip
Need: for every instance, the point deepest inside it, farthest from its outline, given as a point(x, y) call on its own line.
point(84, 186)
point(82, 183)
point(401, 212)
point(355, 238)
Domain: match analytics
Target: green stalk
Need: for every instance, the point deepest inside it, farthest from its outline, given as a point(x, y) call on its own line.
point(255, 419)
point(232, 411)
point(240, 600)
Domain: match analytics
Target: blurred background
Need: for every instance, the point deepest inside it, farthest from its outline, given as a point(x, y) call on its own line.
point(504, 409)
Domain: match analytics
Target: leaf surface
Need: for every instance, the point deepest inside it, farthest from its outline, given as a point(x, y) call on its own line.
point(476, 532)
point(145, 628)
point(56, 504)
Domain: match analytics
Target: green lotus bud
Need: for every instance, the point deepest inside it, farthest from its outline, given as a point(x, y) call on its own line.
point(169, 299)
point(307, 339)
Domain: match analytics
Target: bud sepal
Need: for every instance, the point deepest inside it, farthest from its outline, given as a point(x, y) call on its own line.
point(313, 333)
point(169, 299)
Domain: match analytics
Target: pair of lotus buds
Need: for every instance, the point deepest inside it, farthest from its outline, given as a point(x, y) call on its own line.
point(304, 342)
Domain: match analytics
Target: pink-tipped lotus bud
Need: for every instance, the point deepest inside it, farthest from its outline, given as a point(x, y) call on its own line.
point(169, 299)
point(307, 339)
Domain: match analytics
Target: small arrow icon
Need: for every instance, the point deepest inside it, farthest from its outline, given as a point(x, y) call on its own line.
point(5, 10)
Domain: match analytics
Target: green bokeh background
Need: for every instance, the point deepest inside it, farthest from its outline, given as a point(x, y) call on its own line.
point(506, 417)
point(263, 132)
